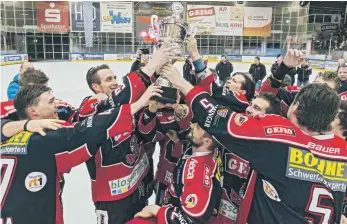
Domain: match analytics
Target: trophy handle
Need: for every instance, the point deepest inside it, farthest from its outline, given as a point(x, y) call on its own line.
point(154, 20)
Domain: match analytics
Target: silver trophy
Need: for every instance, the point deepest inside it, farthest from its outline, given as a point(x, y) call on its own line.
point(172, 29)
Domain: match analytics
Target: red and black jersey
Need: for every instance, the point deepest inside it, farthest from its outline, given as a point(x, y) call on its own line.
point(31, 165)
point(235, 100)
point(194, 195)
point(299, 178)
point(154, 127)
point(342, 91)
point(121, 163)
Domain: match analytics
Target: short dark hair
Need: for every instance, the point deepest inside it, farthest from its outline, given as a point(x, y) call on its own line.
point(330, 76)
point(28, 96)
point(248, 85)
point(257, 58)
point(223, 56)
point(274, 103)
point(317, 107)
point(279, 55)
point(92, 76)
point(32, 76)
point(341, 66)
point(342, 115)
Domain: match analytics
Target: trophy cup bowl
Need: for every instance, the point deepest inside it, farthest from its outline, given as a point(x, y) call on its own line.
point(172, 29)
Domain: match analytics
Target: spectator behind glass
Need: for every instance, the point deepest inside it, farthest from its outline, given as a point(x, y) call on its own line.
point(13, 87)
point(341, 62)
point(258, 72)
point(224, 69)
point(304, 73)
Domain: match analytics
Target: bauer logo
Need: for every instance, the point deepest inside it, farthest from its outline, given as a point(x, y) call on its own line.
point(35, 181)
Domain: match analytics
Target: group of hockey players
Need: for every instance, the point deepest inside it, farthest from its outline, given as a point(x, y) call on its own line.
point(228, 154)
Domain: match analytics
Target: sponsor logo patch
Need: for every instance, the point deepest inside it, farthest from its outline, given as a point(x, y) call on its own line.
point(228, 210)
point(35, 181)
point(191, 169)
point(207, 173)
point(16, 145)
point(126, 183)
point(304, 165)
point(240, 119)
point(236, 165)
point(191, 201)
point(279, 130)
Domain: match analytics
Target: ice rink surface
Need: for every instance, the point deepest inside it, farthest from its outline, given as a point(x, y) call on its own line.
point(67, 79)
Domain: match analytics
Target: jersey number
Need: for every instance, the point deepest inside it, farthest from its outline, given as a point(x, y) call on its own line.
point(8, 166)
point(316, 208)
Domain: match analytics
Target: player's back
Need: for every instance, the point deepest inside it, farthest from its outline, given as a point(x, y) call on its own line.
point(29, 185)
point(299, 178)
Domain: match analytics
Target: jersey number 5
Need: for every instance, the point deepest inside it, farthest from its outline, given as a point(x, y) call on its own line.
point(315, 207)
point(8, 167)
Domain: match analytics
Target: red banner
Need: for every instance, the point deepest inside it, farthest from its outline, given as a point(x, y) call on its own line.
point(52, 16)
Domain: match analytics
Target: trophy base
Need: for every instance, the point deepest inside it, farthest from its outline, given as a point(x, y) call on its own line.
point(169, 95)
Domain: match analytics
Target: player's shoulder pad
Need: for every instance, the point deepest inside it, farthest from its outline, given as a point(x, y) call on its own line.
point(7, 108)
point(240, 97)
point(262, 127)
point(292, 88)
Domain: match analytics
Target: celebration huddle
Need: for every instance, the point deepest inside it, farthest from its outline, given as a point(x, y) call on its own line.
point(233, 149)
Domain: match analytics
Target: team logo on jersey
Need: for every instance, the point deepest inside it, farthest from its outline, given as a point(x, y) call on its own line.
point(279, 130)
point(191, 201)
point(35, 181)
point(168, 176)
point(16, 145)
point(270, 191)
point(222, 112)
point(240, 119)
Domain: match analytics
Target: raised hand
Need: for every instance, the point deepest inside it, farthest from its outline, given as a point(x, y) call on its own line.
point(154, 106)
point(192, 47)
point(293, 58)
point(171, 73)
point(152, 90)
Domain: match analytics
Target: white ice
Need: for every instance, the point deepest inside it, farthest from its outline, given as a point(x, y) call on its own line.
point(68, 81)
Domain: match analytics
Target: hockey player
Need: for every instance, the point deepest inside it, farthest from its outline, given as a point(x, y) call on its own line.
point(288, 185)
point(118, 171)
point(32, 164)
point(194, 194)
point(156, 124)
